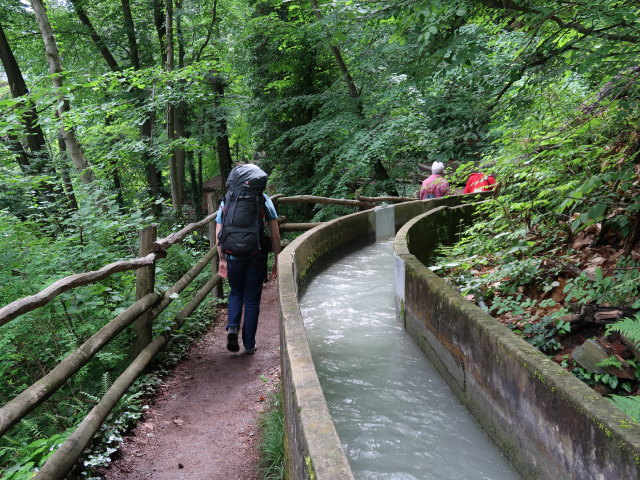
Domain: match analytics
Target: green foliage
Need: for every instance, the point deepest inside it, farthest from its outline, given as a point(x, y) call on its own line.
point(605, 379)
point(544, 334)
point(272, 440)
point(36, 341)
point(610, 362)
point(22, 459)
point(629, 405)
point(619, 289)
point(544, 98)
point(629, 327)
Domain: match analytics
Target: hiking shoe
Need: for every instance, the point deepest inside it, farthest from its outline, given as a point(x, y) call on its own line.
point(250, 351)
point(232, 339)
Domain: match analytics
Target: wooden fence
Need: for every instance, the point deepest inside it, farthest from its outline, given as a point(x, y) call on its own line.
point(148, 306)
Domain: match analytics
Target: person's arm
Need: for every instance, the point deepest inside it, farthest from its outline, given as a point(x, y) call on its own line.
point(222, 260)
point(275, 243)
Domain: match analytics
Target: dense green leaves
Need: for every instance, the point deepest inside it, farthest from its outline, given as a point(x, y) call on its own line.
point(351, 99)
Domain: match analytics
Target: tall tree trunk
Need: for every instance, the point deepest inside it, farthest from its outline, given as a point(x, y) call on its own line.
point(152, 174)
point(131, 35)
point(179, 153)
point(196, 196)
point(221, 130)
point(97, 40)
point(68, 184)
point(15, 146)
point(200, 180)
point(176, 188)
point(351, 86)
point(379, 170)
point(180, 109)
point(35, 141)
point(117, 184)
point(55, 68)
point(32, 154)
point(158, 20)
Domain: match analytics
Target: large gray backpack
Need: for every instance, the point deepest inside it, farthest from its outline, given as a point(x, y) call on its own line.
point(243, 213)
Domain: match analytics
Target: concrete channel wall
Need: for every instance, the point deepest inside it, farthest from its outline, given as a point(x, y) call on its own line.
point(313, 448)
point(548, 423)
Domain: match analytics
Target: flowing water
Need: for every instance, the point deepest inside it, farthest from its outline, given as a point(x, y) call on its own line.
point(397, 419)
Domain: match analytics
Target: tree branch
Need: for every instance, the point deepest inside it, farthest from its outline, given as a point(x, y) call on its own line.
point(511, 5)
point(214, 18)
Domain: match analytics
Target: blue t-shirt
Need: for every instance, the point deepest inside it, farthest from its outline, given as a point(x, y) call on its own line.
point(270, 212)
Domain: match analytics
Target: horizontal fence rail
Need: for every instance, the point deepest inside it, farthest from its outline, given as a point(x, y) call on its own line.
point(321, 200)
point(27, 304)
point(148, 306)
point(180, 235)
point(25, 402)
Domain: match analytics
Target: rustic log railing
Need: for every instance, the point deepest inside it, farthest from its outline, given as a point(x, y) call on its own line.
point(147, 307)
point(359, 203)
point(143, 312)
point(24, 305)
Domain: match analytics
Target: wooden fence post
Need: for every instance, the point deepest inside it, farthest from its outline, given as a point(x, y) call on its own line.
point(217, 290)
point(145, 284)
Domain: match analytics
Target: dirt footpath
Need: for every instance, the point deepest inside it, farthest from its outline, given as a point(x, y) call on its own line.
point(203, 424)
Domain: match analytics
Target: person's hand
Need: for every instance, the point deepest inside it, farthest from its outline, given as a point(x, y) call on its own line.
point(222, 268)
point(274, 270)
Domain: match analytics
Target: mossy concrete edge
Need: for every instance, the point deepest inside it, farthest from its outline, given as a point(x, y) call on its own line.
point(547, 422)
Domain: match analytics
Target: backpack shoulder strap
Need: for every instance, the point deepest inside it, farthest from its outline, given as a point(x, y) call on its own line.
point(230, 204)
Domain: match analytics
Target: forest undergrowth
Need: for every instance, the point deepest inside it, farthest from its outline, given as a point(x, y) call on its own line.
point(566, 280)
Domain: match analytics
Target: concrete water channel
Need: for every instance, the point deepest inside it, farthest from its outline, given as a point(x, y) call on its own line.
point(545, 422)
point(396, 417)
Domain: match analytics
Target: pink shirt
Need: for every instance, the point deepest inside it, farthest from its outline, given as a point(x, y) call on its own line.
point(434, 185)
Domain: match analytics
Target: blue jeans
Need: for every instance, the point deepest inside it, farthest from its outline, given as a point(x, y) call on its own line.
point(246, 276)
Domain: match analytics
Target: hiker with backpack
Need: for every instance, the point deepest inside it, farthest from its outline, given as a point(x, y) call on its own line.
point(436, 185)
point(243, 247)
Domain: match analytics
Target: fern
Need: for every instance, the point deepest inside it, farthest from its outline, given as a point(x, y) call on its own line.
point(90, 397)
point(629, 405)
point(106, 383)
point(610, 362)
point(32, 427)
point(629, 327)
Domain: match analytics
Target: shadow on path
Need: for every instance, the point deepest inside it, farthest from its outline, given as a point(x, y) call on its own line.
point(203, 425)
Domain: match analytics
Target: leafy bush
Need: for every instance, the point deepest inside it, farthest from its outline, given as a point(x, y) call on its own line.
point(620, 289)
point(629, 327)
point(544, 334)
point(22, 459)
point(35, 342)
